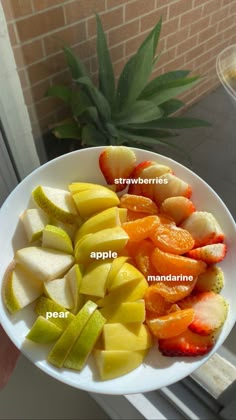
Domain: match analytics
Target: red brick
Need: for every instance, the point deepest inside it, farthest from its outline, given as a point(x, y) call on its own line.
point(150, 20)
point(179, 7)
point(109, 20)
point(36, 93)
point(229, 32)
point(211, 7)
point(202, 24)
point(133, 44)
point(138, 8)
point(123, 33)
point(219, 15)
point(81, 9)
point(14, 9)
point(208, 33)
point(194, 52)
point(40, 5)
point(115, 3)
point(45, 69)
point(187, 45)
point(226, 23)
point(28, 53)
point(177, 37)
point(170, 27)
point(190, 17)
point(12, 33)
point(71, 36)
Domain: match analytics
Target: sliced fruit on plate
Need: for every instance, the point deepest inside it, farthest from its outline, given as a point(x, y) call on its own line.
point(116, 265)
point(155, 304)
point(204, 228)
point(172, 239)
point(132, 336)
point(177, 207)
point(59, 290)
point(56, 238)
point(141, 228)
point(152, 172)
point(20, 288)
point(129, 291)
point(210, 311)
point(44, 331)
point(45, 263)
point(172, 324)
point(117, 162)
point(186, 344)
point(210, 281)
point(138, 203)
point(114, 363)
point(125, 312)
point(69, 228)
point(88, 203)
point(76, 187)
point(94, 281)
point(44, 306)
point(34, 221)
point(74, 279)
point(171, 291)
point(56, 203)
point(126, 274)
point(170, 186)
point(142, 258)
point(210, 254)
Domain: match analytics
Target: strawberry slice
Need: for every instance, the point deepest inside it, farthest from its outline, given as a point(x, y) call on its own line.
point(170, 185)
point(210, 254)
point(210, 311)
point(117, 164)
point(177, 207)
point(204, 228)
point(210, 281)
point(186, 344)
point(136, 188)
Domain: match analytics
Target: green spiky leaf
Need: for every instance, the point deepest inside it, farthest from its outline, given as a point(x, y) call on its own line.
point(93, 137)
point(79, 102)
point(61, 92)
point(68, 130)
point(163, 81)
point(171, 106)
point(177, 123)
point(154, 35)
point(139, 112)
point(75, 65)
point(96, 97)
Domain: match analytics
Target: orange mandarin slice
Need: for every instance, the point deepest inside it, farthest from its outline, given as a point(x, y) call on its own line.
point(141, 228)
point(138, 203)
point(172, 239)
point(171, 325)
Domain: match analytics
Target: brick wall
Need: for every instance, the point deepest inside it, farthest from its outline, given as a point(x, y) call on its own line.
point(194, 32)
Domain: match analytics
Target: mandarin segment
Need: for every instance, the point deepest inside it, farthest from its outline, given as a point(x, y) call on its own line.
point(155, 304)
point(140, 229)
point(173, 291)
point(142, 258)
point(172, 239)
point(138, 203)
point(171, 325)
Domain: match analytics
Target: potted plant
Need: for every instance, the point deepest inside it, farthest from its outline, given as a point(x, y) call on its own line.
point(137, 112)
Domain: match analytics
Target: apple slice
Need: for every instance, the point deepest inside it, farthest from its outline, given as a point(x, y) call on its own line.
point(64, 344)
point(45, 263)
point(44, 306)
point(20, 288)
point(34, 221)
point(126, 292)
point(56, 238)
point(76, 187)
point(44, 331)
point(103, 220)
point(115, 268)
point(59, 290)
point(56, 202)
point(85, 343)
point(126, 274)
point(130, 337)
point(114, 363)
point(93, 201)
point(125, 312)
point(74, 279)
point(95, 278)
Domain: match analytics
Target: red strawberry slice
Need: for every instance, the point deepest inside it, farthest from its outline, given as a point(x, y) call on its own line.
point(210, 254)
point(170, 185)
point(186, 344)
point(135, 187)
point(204, 228)
point(117, 164)
point(210, 311)
point(177, 207)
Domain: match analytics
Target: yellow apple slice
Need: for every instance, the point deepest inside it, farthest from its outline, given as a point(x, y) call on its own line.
point(74, 279)
point(59, 290)
point(34, 221)
point(56, 238)
point(64, 344)
point(125, 312)
point(114, 363)
point(115, 268)
point(76, 187)
point(47, 307)
point(85, 343)
point(103, 220)
point(93, 201)
point(56, 202)
point(132, 336)
point(127, 292)
point(20, 288)
point(123, 215)
point(126, 273)
point(95, 278)
point(44, 331)
point(45, 263)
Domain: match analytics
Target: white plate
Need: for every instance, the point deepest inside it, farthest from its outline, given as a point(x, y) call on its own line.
point(157, 371)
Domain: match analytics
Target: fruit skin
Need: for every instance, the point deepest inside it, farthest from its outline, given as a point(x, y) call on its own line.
point(172, 324)
point(210, 311)
point(186, 344)
point(177, 207)
point(85, 343)
point(74, 279)
point(20, 288)
point(126, 274)
point(133, 336)
point(210, 281)
point(56, 203)
point(94, 281)
point(125, 312)
point(116, 265)
point(204, 228)
point(117, 162)
point(96, 200)
point(170, 186)
point(34, 221)
point(114, 363)
point(103, 220)
point(56, 238)
point(210, 254)
point(44, 305)
point(129, 291)
point(43, 331)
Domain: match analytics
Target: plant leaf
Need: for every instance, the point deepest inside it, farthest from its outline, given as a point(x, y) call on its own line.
point(93, 117)
point(177, 123)
point(92, 137)
point(75, 65)
point(68, 130)
point(155, 133)
point(79, 102)
point(134, 76)
point(140, 111)
point(106, 73)
point(155, 35)
point(171, 106)
point(163, 81)
point(96, 97)
point(59, 91)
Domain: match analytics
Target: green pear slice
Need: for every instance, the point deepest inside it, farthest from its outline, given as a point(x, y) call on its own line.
point(45, 306)
point(74, 279)
point(105, 219)
point(95, 278)
point(56, 238)
point(95, 200)
point(85, 343)
point(44, 331)
point(56, 202)
point(69, 228)
point(34, 221)
point(131, 337)
point(62, 348)
point(20, 288)
point(59, 290)
point(45, 263)
point(125, 312)
point(114, 363)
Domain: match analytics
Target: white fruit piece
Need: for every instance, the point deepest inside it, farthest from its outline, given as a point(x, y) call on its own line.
point(46, 264)
point(95, 278)
point(56, 238)
point(74, 279)
point(59, 290)
point(69, 228)
point(20, 288)
point(34, 221)
point(45, 306)
point(204, 228)
point(130, 337)
point(85, 343)
point(173, 187)
point(56, 202)
point(93, 201)
point(43, 331)
point(64, 344)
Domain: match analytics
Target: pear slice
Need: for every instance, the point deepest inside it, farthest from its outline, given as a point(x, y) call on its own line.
point(74, 279)
point(59, 291)
point(114, 363)
point(126, 292)
point(64, 344)
point(95, 278)
point(85, 343)
point(56, 202)
point(56, 238)
point(34, 221)
point(129, 337)
point(44, 331)
point(69, 228)
point(103, 220)
point(46, 264)
point(95, 200)
point(76, 187)
point(20, 288)
point(125, 312)
point(44, 306)
point(112, 239)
